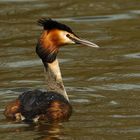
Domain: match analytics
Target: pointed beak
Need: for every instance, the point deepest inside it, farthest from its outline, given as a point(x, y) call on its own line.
point(77, 40)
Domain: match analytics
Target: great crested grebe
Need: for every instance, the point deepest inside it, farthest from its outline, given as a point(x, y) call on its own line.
point(53, 104)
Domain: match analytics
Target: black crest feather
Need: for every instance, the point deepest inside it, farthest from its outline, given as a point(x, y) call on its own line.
point(50, 24)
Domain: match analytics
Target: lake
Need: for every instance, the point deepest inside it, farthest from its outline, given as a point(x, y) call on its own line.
point(103, 84)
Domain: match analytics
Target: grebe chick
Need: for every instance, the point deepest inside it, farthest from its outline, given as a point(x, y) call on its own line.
point(53, 104)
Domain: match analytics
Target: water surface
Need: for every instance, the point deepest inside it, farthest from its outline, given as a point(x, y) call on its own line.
point(103, 84)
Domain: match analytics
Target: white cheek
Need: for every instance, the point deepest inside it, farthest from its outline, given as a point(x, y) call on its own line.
point(65, 38)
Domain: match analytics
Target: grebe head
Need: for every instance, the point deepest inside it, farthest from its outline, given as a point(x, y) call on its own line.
point(54, 36)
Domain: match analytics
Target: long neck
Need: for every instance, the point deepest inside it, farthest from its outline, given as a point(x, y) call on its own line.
point(54, 78)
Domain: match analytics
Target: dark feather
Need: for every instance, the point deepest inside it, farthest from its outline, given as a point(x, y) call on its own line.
point(45, 54)
point(36, 102)
point(50, 24)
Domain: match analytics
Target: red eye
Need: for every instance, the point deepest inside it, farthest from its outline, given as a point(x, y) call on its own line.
point(67, 35)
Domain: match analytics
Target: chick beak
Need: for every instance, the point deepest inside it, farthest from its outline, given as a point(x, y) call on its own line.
point(78, 40)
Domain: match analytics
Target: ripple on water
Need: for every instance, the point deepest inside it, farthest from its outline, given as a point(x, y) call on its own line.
point(27, 63)
point(80, 89)
point(115, 77)
point(117, 87)
point(81, 100)
point(125, 116)
point(133, 55)
point(23, 64)
point(4, 91)
point(17, 0)
point(104, 18)
point(113, 103)
point(12, 125)
point(26, 81)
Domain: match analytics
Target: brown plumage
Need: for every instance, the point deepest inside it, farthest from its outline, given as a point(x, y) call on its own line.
point(11, 109)
point(59, 111)
point(43, 106)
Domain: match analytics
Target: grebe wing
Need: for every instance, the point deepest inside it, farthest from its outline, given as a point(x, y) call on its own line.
point(35, 103)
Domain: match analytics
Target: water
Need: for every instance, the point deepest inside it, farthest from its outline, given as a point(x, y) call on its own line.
point(103, 84)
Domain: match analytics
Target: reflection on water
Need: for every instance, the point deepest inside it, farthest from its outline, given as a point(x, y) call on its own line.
point(35, 131)
point(103, 84)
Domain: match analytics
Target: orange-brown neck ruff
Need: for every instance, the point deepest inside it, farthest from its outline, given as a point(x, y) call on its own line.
point(46, 48)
